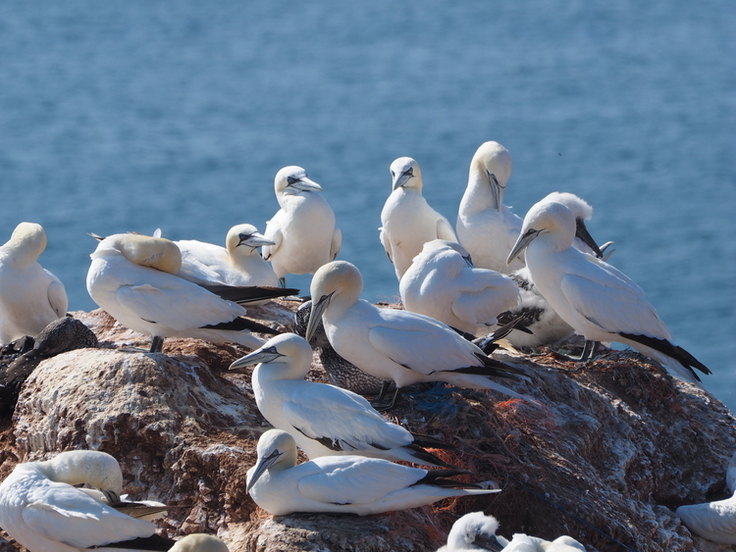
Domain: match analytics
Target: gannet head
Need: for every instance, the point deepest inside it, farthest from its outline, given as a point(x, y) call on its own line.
point(29, 236)
point(158, 253)
point(582, 211)
point(199, 542)
point(474, 531)
point(293, 180)
point(335, 279)
point(492, 164)
point(93, 467)
point(286, 348)
point(544, 218)
point(275, 448)
point(405, 173)
point(246, 235)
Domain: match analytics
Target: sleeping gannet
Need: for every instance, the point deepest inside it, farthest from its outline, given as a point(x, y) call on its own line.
point(133, 278)
point(30, 296)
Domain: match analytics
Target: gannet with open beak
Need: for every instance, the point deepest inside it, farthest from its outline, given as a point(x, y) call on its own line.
point(596, 299)
point(443, 283)
point(407, 220)
point(42, 510)
point(325, 420)
point(485, 226)
point(31, 297)
point(343, 484)
point(133, 278)
point(396, 345)
point(303, 231)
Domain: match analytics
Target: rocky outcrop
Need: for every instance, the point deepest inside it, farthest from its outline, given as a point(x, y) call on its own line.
point(610, 453)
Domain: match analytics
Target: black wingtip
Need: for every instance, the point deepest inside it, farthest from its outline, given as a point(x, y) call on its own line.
point(428, 459)
point(438, 478)
point(154, 543)
point(248, 294)
point(672, 351)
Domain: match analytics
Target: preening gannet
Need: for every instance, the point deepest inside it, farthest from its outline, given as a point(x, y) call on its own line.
point(133, 278)
point(42, 510)
point(199, 542)
point(325, 420)
point(596, 299)
point(485, 226)
point(343, 484)
point(396, 345)
point(407, 219)
point(30, 296)
point(442, 283)
point(303, 230)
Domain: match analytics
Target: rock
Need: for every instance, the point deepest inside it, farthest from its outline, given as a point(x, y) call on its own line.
point(617, 446)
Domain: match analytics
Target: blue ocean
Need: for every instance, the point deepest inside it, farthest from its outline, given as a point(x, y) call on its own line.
point(119, 116)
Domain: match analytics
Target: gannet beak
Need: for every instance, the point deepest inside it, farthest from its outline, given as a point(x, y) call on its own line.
point(581, 231)
point(402, 179)
point(521, 244)
point(496, 190)
point(303, 184)
point(315, 316)
point(261, 466)
point(262, 355)
point(254, 240)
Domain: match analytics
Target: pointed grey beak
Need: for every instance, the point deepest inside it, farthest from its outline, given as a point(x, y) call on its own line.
point(261, 466)
point(402, 179)
point(496, 190)
point(254, 240)
point(303, 184)
point(263, 355)
point(521, 244)
point(581, 231)
point(315, 316)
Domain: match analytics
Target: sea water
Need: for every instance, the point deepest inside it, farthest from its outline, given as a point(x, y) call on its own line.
point(122, 116)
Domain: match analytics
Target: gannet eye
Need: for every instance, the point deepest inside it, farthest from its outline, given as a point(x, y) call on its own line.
point(393, 173)
point(291, 180)
point(409, 171)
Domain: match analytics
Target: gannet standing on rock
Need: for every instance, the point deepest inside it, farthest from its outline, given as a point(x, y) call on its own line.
point(30, 296)
point(303, 230)
point(596, 299)
point(715, 521)
point(325, 420)
point(407, 219)
point(237, 264)
point(42, 510)
point(133, 278)
point(343, 484)
point(442, 283)
point(537, 315)
point(396, 345)
point(485, 226)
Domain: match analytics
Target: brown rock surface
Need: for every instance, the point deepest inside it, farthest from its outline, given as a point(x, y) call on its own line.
point(617, 446)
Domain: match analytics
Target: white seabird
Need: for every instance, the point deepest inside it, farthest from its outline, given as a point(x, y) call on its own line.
point(525, 543)
point(42, 510)
point(343, 484)
point(325, 420)
point(407, 219)
point(474, 532)
point(303, 230)
point(133, 278)
point(396, 345)
point(485, 226)
point(237, 264)
point(596, 299)
point(31, 297)
point(442, 283)
point(544, 324)
point(199, 542)
point(715, 521)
